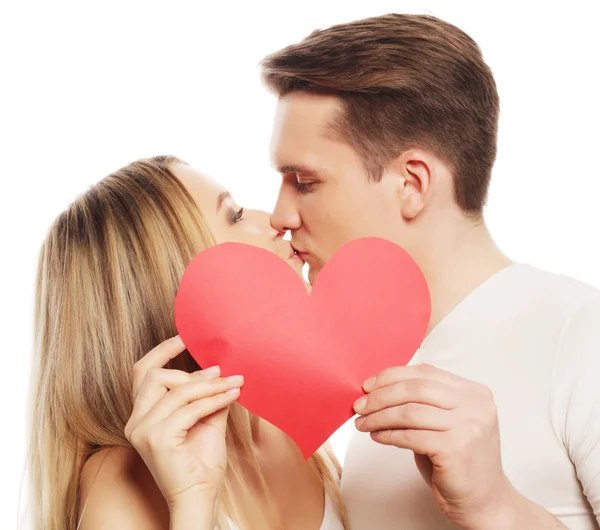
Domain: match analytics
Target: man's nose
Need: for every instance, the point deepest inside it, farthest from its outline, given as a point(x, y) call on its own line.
point(264, 221)
point(285, 216)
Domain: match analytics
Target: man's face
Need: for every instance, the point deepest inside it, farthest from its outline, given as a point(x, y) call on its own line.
point(326, 198)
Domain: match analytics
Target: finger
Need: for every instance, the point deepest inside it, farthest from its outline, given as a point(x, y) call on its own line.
point(193, 391)
point(186, 417)
point(160, 380)
point(160, 376)
point(217, 420)
point(409, 416)
point(156, 358)
point(423, 391)
point(396, 374)
point(421, 442)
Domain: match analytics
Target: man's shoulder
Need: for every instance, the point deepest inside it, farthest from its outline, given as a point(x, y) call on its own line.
point(555, 290)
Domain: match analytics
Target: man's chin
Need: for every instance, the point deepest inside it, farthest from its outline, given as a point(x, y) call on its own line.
point(313, 272)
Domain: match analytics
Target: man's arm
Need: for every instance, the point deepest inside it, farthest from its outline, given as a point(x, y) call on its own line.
point(576, 398)
point(516, 514)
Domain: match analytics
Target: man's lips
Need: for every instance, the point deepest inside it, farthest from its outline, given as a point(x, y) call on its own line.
point(297, 250)
point(294, 254)
point(299, 253)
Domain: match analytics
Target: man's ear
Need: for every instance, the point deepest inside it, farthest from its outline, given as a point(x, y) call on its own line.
point(415, 167)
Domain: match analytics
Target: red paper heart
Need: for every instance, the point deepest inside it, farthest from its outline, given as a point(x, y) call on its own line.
point(304, 358)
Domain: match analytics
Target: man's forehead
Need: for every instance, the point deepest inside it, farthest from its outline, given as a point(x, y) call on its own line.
point(302, 125)
point(303, 113)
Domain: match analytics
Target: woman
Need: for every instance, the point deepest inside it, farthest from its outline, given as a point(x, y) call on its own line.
point(177, 450)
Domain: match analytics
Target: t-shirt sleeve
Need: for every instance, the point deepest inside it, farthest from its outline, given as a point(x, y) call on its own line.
point(576, 397)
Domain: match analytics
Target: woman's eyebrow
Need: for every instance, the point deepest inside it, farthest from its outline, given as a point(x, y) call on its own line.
point(222, 196)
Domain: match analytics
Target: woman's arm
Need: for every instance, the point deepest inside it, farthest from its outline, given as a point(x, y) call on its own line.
point(194, 513)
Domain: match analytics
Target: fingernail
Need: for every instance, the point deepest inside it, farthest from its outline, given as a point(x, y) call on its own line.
point(237, 380)
point(213, 371)
point(233, 391)
point(359, 421)
point(360, 403)
point(369, 384)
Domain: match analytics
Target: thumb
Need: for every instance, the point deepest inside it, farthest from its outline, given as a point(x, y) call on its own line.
point(425, 467)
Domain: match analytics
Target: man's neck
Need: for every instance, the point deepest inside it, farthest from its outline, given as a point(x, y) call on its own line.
point(456, 261)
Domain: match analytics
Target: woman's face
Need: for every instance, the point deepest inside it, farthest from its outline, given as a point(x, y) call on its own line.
point(228, 222)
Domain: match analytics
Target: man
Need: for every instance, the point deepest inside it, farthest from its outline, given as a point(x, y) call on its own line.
point(387, 127)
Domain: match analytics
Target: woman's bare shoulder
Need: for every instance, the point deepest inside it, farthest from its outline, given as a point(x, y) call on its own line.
point(117, 491)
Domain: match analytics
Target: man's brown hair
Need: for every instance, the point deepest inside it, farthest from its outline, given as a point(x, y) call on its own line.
point(405, 81)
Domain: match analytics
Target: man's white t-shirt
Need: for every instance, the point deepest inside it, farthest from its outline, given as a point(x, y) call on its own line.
point(533, 338)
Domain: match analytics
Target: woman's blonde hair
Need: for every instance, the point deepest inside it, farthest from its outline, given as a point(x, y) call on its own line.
point(108, 274)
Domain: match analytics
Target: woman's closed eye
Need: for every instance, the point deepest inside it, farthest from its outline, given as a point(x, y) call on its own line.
point(237, 216)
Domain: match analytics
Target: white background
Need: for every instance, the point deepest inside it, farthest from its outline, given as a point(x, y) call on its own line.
point(88, 87)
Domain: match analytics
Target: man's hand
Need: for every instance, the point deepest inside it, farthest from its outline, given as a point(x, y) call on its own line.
point(451, 424)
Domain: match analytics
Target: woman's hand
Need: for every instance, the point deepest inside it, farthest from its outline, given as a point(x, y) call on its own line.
point(178, 425)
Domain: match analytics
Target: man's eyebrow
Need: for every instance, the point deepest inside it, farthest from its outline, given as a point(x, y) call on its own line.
point(222, 196)
point(298, 168)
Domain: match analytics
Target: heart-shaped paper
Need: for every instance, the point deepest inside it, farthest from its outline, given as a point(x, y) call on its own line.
point(303, 357)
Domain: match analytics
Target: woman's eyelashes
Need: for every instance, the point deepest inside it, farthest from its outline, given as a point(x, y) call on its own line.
point(237, 215)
